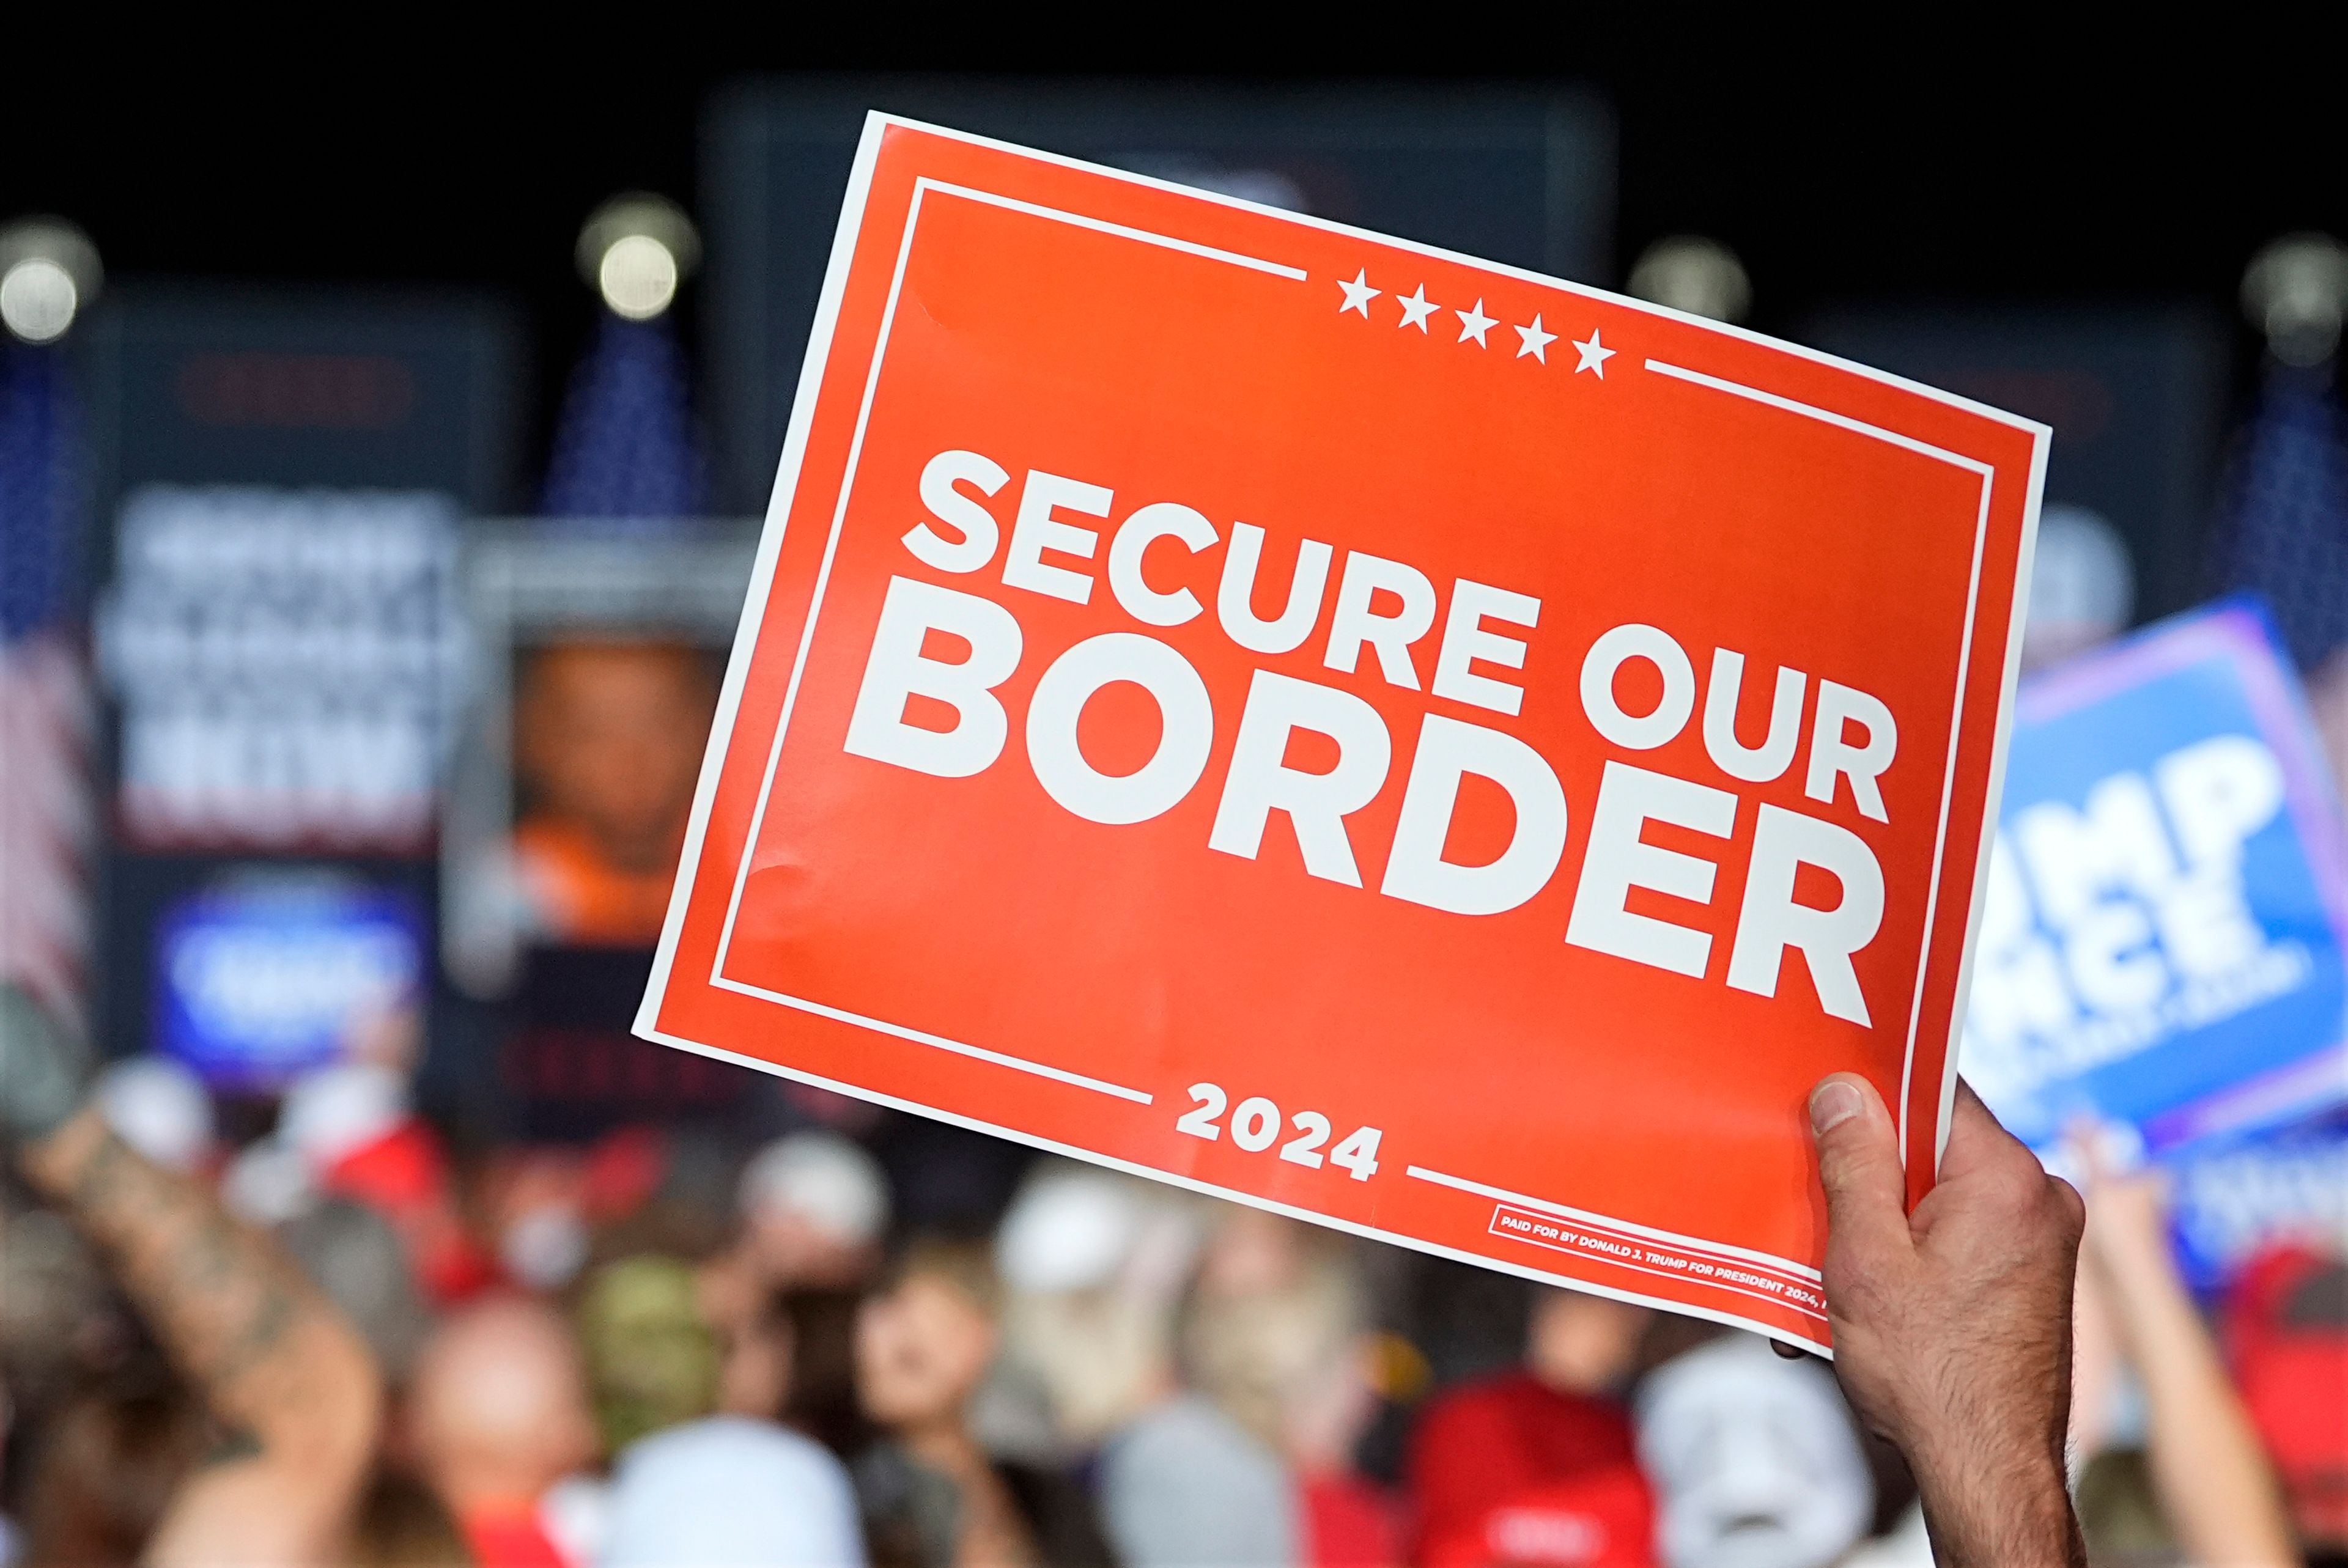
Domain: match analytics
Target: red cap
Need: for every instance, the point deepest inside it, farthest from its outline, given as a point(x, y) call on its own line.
point(1509, 1471)
point(1604, 1518)
point(2287, 1335)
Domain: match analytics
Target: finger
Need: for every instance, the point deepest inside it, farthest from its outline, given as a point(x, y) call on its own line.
point(1859, 1166)
point(1788, 1352)
point(1977, 1142)
point(2072, 1205)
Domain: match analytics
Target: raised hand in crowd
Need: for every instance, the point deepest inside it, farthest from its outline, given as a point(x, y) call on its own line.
point(1952, 1324)
point(2216, 1491)
point(279, 1368)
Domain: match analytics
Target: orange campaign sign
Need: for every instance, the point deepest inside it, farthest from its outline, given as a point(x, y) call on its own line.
point(1438, 751)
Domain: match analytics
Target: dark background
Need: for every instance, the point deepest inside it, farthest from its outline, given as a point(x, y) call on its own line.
point(1843, 166)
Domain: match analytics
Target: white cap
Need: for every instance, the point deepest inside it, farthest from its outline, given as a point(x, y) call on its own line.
point(158, 1107)
point(335, 1110)
point(822, 1178)
point(1068, 1229)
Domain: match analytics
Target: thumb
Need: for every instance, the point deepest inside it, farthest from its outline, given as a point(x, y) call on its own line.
point(1859, 1166)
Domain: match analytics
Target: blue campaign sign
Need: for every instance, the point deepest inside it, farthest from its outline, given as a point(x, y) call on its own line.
point(2232, 1201)
point(261, 978)
point(2163, 930)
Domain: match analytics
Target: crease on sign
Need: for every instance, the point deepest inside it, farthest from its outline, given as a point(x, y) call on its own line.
point(942, 1042)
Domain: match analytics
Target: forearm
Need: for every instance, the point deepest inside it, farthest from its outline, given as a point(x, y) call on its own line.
point(1987, 1507)
point(273, 1359)
point(2207, 1468)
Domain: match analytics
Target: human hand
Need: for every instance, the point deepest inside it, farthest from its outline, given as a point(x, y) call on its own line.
point(43, 1071)
point(2127, 1208)
point(1952, 1324)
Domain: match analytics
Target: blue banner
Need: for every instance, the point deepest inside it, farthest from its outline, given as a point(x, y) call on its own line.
point(2163, 932)
point(264, 977)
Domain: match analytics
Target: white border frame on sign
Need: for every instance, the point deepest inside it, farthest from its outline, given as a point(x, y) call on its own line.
point(794, 455)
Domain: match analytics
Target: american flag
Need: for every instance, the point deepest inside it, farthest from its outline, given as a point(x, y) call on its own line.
point(47, 815)
point(2284, 533)
point(626, 446)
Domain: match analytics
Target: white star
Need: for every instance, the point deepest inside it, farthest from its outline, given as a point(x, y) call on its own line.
point(1358, 295)
point(1594, 355)
point(1475, 323)
point(1416, 308)
point(1535, 342)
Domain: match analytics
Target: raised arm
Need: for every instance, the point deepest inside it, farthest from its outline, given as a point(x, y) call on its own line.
point(277, 1364)
point(1952, 1324)
point(2207, 1470)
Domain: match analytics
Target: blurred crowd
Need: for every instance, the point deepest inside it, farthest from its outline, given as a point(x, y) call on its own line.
point(346, 1318)
point(674, 1347)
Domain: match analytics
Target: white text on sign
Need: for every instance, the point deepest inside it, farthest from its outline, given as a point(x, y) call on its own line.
point(1389, 609)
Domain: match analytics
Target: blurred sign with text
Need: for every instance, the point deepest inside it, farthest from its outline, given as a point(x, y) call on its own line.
point(264, 976)
point(2235, 1200)
point(278, 480)
point(286, 664)
point(2162, 944)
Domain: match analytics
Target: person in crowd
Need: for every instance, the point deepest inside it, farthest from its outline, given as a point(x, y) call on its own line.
point(726, 1489)
point(816, 1329)
point(754, 1349)
point(932, 1496)
point(1098, 1263)
point(1092, 1265)
point(547, 1206)
point(497, 1419)
point(285, 1381)
point(402, 1525)
point(1183, 1483)
point(350, 1129)
point(532, 1202)
point(114, 1459)
point(1755, 1460)
point(814, 1208)
point(352, 1253)
point(2170, 1465)
point(653, 1360)
point(607, 745)
point(2286, 1334)
point(1278, 1334)
point(1537, 1463)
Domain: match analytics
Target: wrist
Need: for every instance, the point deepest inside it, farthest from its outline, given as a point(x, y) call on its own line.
point(1990, 1509)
